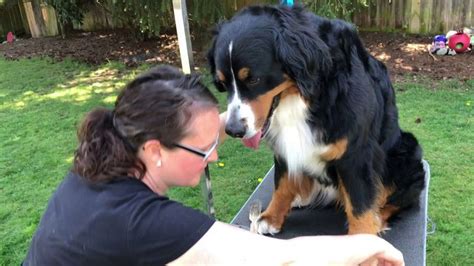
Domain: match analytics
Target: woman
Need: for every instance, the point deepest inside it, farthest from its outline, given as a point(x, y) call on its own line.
point(112, 208)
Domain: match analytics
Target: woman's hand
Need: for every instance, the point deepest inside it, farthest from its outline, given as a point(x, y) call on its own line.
point(362, 249)
point(371, 250)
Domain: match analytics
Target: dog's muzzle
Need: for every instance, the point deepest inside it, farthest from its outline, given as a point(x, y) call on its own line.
point(235, 127)
point(238, 127)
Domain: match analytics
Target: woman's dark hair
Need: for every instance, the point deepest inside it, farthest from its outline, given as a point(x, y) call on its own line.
point(156, 105)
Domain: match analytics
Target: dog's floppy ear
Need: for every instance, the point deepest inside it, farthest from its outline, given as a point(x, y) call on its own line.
point(304, 56)
point(211, 58)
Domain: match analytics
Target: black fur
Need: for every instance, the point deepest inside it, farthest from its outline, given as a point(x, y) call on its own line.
point(348, 91)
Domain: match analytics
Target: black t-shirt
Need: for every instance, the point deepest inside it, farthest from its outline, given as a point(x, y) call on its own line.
point(116, 223)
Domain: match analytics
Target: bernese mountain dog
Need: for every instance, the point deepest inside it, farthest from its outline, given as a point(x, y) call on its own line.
point(326, 107)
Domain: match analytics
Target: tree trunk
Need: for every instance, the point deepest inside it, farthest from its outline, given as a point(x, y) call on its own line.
point(36, 5)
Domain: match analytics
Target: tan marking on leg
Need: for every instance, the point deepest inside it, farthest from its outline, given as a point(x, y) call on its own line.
point(282, 197)
point(261, 106)
point(336, 150)
point(384, 193)
point(243, 73)
point(220, 76)
point(303, 186)
point(386, 211)
point(368, 222)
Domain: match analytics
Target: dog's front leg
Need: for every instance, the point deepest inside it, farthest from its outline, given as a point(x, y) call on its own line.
point(271, 220)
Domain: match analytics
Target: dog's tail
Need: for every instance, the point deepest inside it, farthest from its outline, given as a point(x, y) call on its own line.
point(405, 169)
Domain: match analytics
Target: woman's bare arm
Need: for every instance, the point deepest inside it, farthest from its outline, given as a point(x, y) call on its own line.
point(226, 244)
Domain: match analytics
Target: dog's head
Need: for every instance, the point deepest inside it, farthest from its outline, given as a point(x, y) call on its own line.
point(261, 54)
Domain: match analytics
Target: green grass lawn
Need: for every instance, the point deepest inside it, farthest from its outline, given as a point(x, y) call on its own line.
point(41, 103)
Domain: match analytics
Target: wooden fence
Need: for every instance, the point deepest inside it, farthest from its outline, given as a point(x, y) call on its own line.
point(97, 19)
point(416, 16)
point(12, 18)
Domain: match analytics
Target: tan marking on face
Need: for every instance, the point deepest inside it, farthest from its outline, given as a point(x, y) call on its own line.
point(243, 73)
point(261, 106)
point(368, 222)
point(220, 76)
point(283, 196)
point(293, 90)
point(336, 150)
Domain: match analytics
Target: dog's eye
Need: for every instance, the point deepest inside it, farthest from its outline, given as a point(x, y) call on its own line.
point(253, 81)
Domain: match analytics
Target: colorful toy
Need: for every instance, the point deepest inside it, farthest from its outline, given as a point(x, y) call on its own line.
point(450, 33)
point(459, 42)
point(438, 46)
point(470, 32)
point(10, 37)
point(440, 38)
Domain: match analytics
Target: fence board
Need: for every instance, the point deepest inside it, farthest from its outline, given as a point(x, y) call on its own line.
point(98, 19)
point(426, 15)
point(470, 13)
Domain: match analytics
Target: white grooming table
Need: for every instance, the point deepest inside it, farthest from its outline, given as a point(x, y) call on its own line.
point(408, 234)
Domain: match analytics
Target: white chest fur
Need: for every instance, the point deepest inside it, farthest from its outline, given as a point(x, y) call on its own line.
point(293, 139)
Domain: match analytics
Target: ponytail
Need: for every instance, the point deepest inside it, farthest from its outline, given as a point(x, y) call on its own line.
point(103, 153)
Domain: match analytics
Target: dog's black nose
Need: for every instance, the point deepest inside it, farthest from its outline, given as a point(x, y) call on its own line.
point(235, 129)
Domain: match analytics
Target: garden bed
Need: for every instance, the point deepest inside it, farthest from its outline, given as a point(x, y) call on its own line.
point(403, 54)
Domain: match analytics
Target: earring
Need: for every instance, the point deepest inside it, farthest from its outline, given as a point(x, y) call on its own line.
point(158, 163)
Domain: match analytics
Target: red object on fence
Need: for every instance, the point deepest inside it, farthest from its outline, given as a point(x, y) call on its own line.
point(10, 37)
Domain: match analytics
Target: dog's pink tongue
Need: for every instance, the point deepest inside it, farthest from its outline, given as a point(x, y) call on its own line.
point(253, 142)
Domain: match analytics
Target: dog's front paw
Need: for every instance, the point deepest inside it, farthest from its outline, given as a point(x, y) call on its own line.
point(263, 225)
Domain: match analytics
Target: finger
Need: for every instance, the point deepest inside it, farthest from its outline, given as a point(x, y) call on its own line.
point(391, 257)
point(370, 262)
point(378, 249)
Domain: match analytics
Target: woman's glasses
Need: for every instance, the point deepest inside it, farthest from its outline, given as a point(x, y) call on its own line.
point(204, 154)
